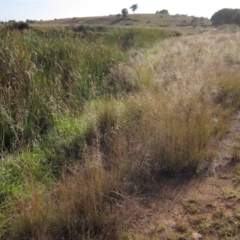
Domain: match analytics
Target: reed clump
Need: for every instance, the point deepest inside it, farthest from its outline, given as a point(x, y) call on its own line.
point(42, 73)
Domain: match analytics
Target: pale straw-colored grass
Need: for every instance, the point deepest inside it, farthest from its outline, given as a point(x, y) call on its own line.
point(189, 86)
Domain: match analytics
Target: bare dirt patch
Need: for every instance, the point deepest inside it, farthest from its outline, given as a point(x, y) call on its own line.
point(204, 205)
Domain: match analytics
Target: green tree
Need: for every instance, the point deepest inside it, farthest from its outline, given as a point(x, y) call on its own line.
point(223, 16)
point(164, 11)
point(124, 13)
point(134, 7)
point(236, 18)
point(19, 26)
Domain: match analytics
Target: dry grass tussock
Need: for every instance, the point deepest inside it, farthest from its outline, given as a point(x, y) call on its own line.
point(179, 96)
point(182, 92)
point(196, 87)
point(77, 207)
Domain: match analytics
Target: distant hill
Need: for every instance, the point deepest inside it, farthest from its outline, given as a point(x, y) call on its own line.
point(132, 20)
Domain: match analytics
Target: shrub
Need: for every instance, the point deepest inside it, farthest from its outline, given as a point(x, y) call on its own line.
point(19, 26)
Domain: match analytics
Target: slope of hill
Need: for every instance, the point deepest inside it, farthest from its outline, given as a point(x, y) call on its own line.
point(133, 20)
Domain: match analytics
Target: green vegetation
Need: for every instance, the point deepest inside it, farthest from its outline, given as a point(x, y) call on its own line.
point(236, 18)
point(55, 111)
point(164, 11)
point(87, 115)
point(226, 16)
point(51, 71)
point(124, 13)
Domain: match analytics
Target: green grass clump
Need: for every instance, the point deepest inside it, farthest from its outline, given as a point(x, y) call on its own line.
point(21, 174)
point(68, 140)
point(46, 72)
point(76, 208)
point(136, 37)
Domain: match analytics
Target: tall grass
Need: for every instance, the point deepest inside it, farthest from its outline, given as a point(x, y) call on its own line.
point(116, 119)
point(48, 139)
point(46, 72)
point(76, 208)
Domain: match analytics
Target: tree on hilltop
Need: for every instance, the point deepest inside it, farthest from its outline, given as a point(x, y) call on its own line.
point(224, 16)
point(134, 7)
point(164, 11)
point(124, 13)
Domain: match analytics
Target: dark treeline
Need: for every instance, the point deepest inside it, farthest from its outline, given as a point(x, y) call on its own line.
point(226, 16)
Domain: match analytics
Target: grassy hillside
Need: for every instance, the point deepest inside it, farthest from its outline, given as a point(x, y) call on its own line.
point(133, 20)
point(86, 120)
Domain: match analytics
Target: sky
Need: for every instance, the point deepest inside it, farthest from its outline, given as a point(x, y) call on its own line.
point(21, 10)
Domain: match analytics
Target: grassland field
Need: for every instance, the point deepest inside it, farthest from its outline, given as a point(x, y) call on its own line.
point(89, 114)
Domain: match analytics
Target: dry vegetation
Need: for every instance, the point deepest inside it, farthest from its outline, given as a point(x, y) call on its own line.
point(198, 90)
point(156, 112)
point(133, 20)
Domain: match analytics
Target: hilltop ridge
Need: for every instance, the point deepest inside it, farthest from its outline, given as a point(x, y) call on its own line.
point(132, 20)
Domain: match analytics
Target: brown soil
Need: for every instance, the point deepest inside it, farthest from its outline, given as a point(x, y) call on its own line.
point(203, 205)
